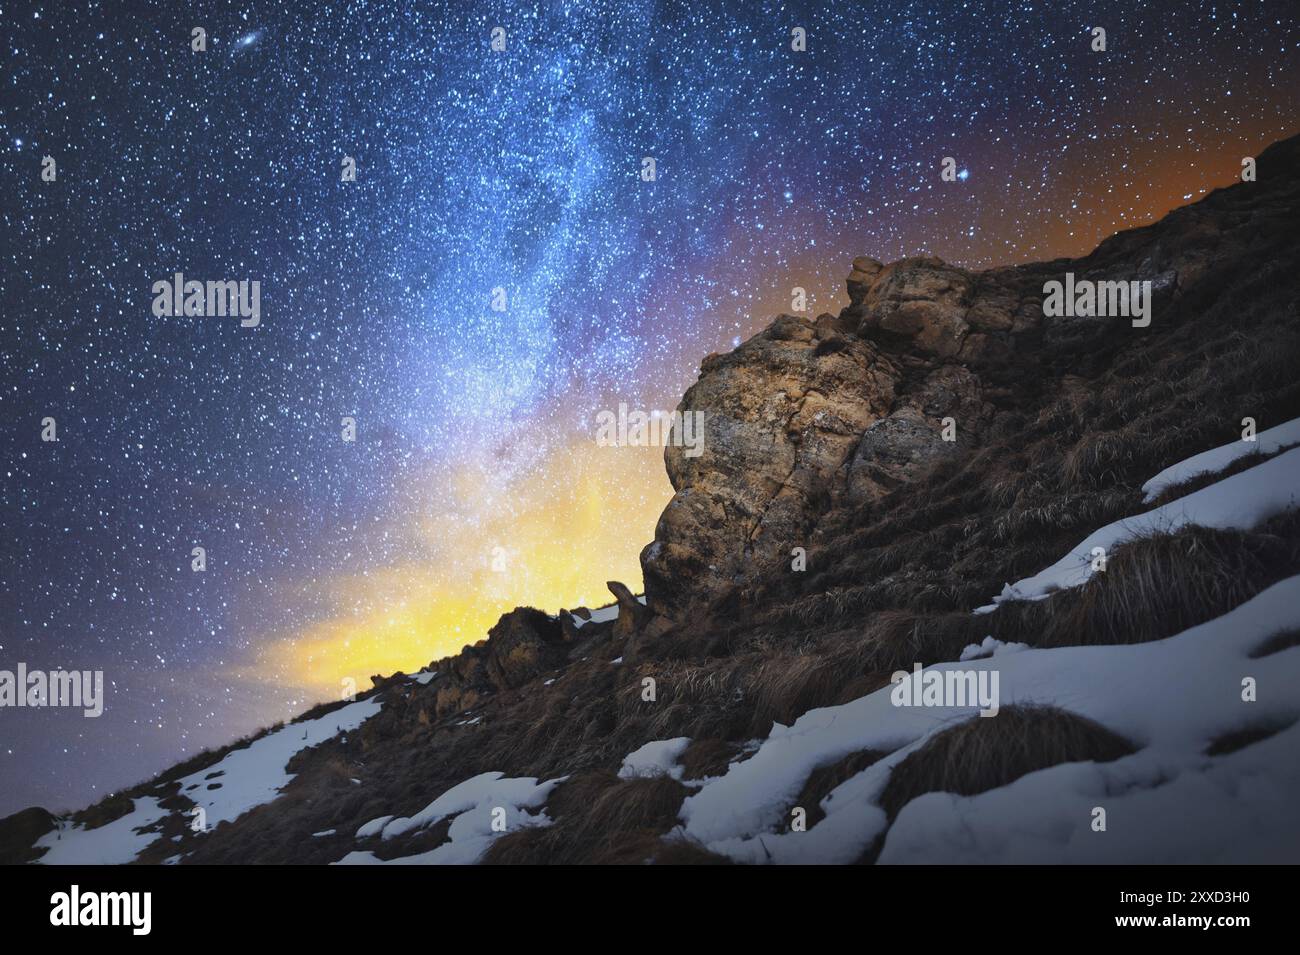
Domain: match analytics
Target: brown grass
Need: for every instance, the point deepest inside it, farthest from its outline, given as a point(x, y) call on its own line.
point(986, 753)
point(1240, 739)
point(704, 758)
point(821, 781)
point(606, 820)
point(1157, 586)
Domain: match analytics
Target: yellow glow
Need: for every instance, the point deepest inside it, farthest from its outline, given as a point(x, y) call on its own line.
point(578, 520)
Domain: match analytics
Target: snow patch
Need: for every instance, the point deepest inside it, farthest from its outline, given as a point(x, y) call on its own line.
point(602, 615)
point(254, 775)
point(114, 843)
point(656, 758)
point(990, 647)
point(1216, 459)
point(373, 827)
point(473, 803)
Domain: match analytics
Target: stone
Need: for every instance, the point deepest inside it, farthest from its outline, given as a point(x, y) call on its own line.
point(523, 644)
point(782, 415)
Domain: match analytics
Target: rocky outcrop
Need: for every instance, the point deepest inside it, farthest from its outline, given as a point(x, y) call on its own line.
point(782, 415)
point(811, 415)
point(922, 299)
point(631, 613)
point(523, 644)
point(937, 311)
point(808, 414)
point(463, 682)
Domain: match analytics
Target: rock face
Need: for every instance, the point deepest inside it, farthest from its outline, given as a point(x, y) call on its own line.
point(921, 299)
point(900, 447)
point(807, 415)
point(782, 415)
point(811, 415)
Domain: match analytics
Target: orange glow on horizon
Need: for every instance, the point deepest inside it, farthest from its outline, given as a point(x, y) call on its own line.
point(578, 520)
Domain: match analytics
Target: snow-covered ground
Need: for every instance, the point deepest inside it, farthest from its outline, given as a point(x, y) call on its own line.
point(116, 843)
point(1216, 459)
point(484, 808)
point(255, 775)
point(1167, 802)
point(246, 778)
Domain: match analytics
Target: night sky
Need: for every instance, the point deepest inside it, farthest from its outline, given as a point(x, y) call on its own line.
point(478, 170)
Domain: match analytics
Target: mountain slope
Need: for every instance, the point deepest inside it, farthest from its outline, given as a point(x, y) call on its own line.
point(1121, 688)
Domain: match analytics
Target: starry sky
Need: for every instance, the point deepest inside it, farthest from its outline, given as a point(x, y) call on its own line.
point(475, 482)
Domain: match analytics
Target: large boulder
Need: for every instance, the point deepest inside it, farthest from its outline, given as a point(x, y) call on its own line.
point(524, 644)
point(809, 415)
point(782, 415)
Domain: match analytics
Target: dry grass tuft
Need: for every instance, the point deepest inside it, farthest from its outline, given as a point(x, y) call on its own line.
point(986, 753)
point(602, 822)
point(1157, 586)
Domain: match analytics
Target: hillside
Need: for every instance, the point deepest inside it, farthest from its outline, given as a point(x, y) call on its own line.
point(830, 535)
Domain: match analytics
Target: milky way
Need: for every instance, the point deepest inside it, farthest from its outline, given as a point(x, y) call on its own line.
point(516, 175)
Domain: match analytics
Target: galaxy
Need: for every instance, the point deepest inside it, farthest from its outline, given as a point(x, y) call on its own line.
point(461, 248)
point(245, 41)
